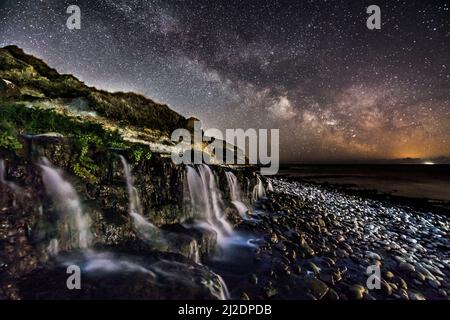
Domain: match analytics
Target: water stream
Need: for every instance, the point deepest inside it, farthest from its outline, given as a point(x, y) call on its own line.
point(235, 194)
point(206, 201)
point(258, 191)
point(73, 225)
point(144, 229)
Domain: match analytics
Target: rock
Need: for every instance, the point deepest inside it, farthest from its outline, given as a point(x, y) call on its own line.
point(389, 275)
point(169, 276)
point(330, 262)
point(356, 292)
point(442, 293)
point(434, 284)
point(419, 276)
point(403, 294)
point(270, 291)
point(274, 238)
point(402, 284)
point(337, 276)
point(8, 89)
point(307, 251)
point(406, 267)
point(298, 269)
point(314, 268)
point(331, 295)
point(416, 296)
point(372, 255)
point(393, 286)
point(244, 296)
point(321, 222)
point(327, 278)
point(253, 279)
point(293, 255)
point(386, 288)
point(368, 296)
point(316, 288)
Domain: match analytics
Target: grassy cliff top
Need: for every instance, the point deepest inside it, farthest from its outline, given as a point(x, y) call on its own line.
point(33, 80)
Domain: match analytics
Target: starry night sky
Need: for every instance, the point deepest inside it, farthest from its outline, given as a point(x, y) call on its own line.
point(336, 90)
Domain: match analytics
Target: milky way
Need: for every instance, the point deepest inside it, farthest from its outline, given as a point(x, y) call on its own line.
point(337, 90)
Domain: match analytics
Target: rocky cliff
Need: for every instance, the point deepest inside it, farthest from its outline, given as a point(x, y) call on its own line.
point(83, 131)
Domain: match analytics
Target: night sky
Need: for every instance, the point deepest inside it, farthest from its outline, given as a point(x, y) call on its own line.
point(336, 90)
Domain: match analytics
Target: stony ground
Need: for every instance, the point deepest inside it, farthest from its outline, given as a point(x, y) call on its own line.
point(319, 243)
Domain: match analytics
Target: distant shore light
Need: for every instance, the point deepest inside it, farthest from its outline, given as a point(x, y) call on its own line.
point(428, 163)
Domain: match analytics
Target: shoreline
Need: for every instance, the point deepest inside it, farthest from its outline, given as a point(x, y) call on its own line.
point(423, 204)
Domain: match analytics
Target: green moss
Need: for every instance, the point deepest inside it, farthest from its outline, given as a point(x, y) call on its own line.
point(141, 153)
point(8, 136)
point(19, 119)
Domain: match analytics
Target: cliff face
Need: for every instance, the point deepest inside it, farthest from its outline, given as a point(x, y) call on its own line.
point(27, 213)
point(83, 132)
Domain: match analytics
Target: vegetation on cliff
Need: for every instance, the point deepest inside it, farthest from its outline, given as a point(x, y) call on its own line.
point(35, 80)
point(35, 99)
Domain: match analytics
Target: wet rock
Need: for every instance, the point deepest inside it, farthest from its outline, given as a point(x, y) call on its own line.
point(270, 291)
point(419, 276)
point(416, 296)
point(307, 251)
point(327, 278)
point(442, 293)
point(402, 284)
point(316, 288)
point(387, 289)
point(356, 292)
point(331, 295)
point(372, 255)
point(389, 275)
point(273, 238)
point(160, 276)
point(406, 267)
point(244, 296)
point(434, 284)
point(313, 267)
point(253, 279)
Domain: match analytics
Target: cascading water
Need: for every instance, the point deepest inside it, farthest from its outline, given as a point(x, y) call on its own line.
point(269, 185)
point(73, 224)
point(194, 252)
point(235, 194)
point(2, 171)
point(207, 201)
point(144, 229)
point(258, 191)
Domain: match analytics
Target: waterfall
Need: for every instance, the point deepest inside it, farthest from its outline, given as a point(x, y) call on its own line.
point(144, 229)
point(206, 200)
point(219, 291)
point(194, 251)
point(235, 194)
point(235, 191)
point(73, 224)
point(2, 171)
point(269, 185)
point(258, 191)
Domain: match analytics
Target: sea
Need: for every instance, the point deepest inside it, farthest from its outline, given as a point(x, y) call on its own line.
point(418, 181)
